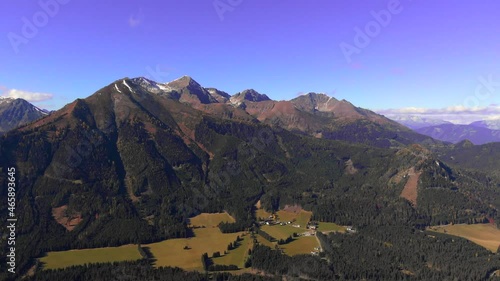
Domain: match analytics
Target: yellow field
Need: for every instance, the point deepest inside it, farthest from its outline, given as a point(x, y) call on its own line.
point(265, 242)
point(167, 253)
point(302, 245)
point(207, 240)
point(330, 226)
point(281, 231)
point(211, 220)
point(485, 235)
point(55, 260)
point(301, 218)
point(262, 214)
point(238, 255)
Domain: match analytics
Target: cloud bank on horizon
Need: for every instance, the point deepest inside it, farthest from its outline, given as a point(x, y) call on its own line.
point(454, 114)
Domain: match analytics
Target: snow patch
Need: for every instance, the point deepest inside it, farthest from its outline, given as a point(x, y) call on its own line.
point(41, 111)
point(165, 87)
point(116, 87)
point(125, 83)
point(234, 101)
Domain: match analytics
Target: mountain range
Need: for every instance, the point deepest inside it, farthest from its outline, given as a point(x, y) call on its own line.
point(478, 132)
point(456, 133)
point(415, 122)
point(490, 124)
point(134, 161)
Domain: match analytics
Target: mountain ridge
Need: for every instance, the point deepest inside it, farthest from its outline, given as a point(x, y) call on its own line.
point(312, 114)
point(455, 133)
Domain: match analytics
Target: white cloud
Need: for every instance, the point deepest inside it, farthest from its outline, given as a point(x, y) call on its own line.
point(29, 96)
point(455, 114)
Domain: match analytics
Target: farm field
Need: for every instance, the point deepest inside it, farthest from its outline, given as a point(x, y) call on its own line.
point(238, 255)
point(301, 217)
point(485, 235)
point(207, 240)
point(262, 214)
point(56, 260)
point(167, 253)
point(330, 226)
point(265, 242)
point(302, 245)
point(281, 231)
point(210, 220)
point(289, 213)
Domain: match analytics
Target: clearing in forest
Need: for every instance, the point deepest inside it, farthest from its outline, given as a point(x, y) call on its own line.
point(410, 190)
point(485, 235)
point(56, 260)
point(301, 246)
point(210, 220)
point(297, 216)
point(186, 252)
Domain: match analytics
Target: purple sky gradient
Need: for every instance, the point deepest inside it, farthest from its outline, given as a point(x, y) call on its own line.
point(429, 55)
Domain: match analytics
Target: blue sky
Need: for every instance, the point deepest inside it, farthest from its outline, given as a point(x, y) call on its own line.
point(392, 56)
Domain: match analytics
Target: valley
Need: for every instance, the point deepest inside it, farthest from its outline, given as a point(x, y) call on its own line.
point(185, 253)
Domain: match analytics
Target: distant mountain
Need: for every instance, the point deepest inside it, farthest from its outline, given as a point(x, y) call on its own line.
point(416, 122)
point(17, 112)
point(457, 133)
point(248, 95)
point(490, 124)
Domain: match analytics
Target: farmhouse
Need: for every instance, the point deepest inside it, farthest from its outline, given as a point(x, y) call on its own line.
point(350, 229)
